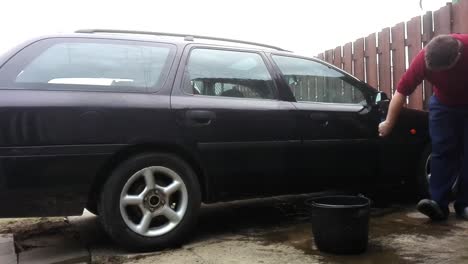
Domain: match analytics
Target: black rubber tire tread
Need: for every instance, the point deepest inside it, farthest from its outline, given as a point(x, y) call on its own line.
point(422, 186)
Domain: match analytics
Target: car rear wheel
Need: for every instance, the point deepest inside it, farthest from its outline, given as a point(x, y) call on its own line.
point(150, 201)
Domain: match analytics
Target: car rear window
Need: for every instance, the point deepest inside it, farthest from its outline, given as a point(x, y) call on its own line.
point(88, 64)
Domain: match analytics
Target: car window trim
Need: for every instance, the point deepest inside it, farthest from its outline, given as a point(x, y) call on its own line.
point(333, 107)
point(229, 97)
point(331, 103)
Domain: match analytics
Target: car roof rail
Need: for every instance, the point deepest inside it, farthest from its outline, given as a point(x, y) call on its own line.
point(187, 37)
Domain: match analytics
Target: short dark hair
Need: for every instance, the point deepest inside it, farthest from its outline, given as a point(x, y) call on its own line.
point(441, 52)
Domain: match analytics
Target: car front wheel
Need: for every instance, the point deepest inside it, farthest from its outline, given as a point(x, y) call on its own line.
point(150, 201)
point(424, 175)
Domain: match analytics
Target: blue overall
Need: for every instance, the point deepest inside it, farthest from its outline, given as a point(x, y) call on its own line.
point(448, 127)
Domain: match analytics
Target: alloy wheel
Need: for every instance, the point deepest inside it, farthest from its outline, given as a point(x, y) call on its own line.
point(153, 201)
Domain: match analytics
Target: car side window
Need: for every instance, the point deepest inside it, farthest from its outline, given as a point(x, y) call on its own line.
point(90, 64)
point(311, 81)
point(226, 73)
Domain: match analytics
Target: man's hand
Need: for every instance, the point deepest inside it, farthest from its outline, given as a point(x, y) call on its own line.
point(385, 128)
point(397, 102)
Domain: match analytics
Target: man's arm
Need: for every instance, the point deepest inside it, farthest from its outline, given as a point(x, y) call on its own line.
point(394, 110)
point(408, 83)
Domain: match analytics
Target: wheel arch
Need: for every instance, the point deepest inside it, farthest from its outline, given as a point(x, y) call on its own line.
point(133, 150)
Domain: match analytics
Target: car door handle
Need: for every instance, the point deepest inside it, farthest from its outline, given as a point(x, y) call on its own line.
point(200, 117)
point(320, 118)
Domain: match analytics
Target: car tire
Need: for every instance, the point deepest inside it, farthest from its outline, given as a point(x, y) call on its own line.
point(172, 207)
point(424, 170)
point(422, 183)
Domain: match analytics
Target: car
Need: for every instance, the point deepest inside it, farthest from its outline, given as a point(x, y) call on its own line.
point(141, 128)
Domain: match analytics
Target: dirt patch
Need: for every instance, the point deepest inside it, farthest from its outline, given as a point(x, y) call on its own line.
point(118, 259)
point(109, 260)
point(25, 227)
point(27, 231)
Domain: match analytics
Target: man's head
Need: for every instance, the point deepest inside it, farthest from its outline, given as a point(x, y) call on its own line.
point(442, 53)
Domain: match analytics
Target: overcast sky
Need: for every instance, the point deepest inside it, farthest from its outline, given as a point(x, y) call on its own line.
point(306, 27)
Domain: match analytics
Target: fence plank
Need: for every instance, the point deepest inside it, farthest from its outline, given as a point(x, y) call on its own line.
point(347, 65)
point(320, 88)
point(371, 61)
point(443, 20)
point(358, 58)
point(399, 53)
point(329, 56)
point(347, 58)
point(428, 33)
point(459, 11)
point(385, 84)
point(312, 86)
point(320, 82)
point(414, 47)
point(337, 57)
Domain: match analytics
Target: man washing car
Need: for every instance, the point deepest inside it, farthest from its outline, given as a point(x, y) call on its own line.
point(444, 63)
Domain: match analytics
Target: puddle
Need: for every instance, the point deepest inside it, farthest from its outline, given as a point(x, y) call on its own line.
point(300, 237)
point(396, 236)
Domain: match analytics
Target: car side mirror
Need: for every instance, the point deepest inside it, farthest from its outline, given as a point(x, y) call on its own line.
point(381, 98)
point(382, 102)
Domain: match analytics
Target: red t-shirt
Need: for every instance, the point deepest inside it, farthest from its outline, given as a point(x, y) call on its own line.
point(450, 86)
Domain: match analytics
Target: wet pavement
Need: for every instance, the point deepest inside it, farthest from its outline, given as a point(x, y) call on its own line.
point(275, 230)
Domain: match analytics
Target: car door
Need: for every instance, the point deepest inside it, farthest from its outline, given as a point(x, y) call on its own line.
point(229, 108)
point(337, 125)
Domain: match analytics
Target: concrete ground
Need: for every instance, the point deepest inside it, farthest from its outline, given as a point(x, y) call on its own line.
point(275, 230)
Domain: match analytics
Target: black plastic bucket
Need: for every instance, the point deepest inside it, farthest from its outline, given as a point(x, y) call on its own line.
point(340, 224)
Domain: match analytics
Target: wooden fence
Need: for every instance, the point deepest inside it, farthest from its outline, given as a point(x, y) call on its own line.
point(380, 59)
